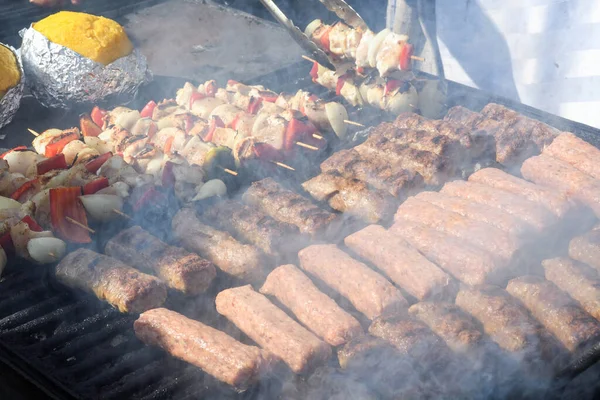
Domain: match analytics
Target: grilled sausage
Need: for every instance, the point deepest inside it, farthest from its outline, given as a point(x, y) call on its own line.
point(254, 226)
point(514, 204)
point(178, 268)
point(311, 307)
point(502, 317)
point(465, 262)
point(272, 329)
point(578, 280)
point(480, 234)
point(577, 152)
point(239, 260)
point(555, 310)
point(120, 285)
point(215, 352)
point(374, 171)
point(548, 171)
point(480, 212)
point(448, 322)
point(369, 292)
point(351, 196)
point(586, 248)
point(405, 266)
point(286, 206)
point(555, 201)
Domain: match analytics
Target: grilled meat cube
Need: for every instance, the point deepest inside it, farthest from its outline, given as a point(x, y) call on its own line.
point(485, 236)
point(286, 206)
point(178, 268)
point(434, 169)
point(213, 351)
point(272, 329)
point(548, 171)
point(254, 227)
point(312, 308)
point(369, 292)
point(405, 266)
point(374, 171)
point(467, 263)
point(120, 285)
point(411, 337)
point(577, 152)
point(242, 261)
point(560, 314)
point(479, 212)
point(555, 201)
point(540, 133)
point(578, 280)
point(586, 248)
point(502, 317)
point(351, 196)
point(447, 321)
point(540, 218)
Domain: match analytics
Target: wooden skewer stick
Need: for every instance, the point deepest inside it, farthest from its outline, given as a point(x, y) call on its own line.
point(229, 171)
point(318, 136)
point(307, 146)
point(354, 123)
point(308, 59)
point(282, 165)
point(34, 133)
point(121, 213)
point(79, 224)
point(417, 58)
point(52, 255)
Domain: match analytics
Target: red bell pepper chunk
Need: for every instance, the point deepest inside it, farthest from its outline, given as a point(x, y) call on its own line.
point(95, 185)
point(98, 115)
point(168, 176)
point(152, 129)
point(254, 105)
point(196, 96)
point(32, 224)
point(94, 165)
point(406, 53)
point(215, 122)
point(168, 144)
point(58, 144)
point(234, 123)
point(324, 39)
point(64, 202)
point(340, 84)
point(391, 85)
point(360, 70)
point(296, 131)
point(231, 82)
point(56, 162)
point(18, 148)
point(24, 188)
point(211, 88)
point(314, 72)
point(150, 195)
point(88, 127)
point(269, 96)
point(148, 109)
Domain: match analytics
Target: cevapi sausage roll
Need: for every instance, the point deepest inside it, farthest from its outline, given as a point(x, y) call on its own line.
point(178, 268)
point(124, 287)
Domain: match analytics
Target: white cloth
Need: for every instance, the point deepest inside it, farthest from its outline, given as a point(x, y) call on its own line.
point(544, 53)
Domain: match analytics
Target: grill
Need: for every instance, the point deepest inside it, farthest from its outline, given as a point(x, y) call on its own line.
point(75, 347)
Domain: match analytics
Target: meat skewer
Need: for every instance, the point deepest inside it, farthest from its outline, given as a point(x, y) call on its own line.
point(575, 151)
point(215, 352)
point(314, 309)
point(369, 292)
point(272, 329)
point(586, 248)
point(120, 285)
point(179, 269)
point(402, 263)
point(555, 310)
point(286, 206)
point(242, 261)
point(578, 280)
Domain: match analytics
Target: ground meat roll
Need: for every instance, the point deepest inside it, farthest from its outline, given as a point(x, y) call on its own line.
point(586, 248)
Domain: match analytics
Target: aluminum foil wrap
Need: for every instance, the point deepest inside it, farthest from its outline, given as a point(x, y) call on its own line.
point(9, 103)
point(59, 77)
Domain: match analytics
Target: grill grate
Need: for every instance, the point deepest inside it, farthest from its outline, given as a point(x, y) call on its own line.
point(61, 339)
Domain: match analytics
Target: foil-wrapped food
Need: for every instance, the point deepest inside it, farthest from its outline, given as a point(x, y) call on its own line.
point(11, 83)
point(71, 58)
